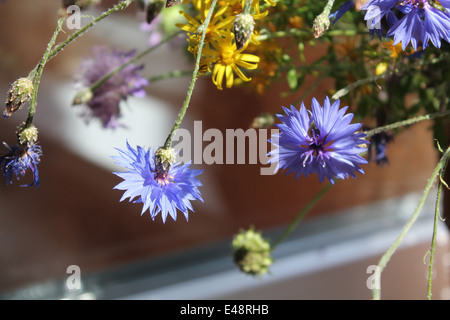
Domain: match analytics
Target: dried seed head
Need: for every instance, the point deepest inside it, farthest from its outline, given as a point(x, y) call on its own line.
point(20, 92)
point(243, 28)
point(27, 136)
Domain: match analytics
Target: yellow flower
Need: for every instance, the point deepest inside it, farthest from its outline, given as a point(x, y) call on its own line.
point(202, 6)
point(236, 7)
point(215, 28)
point(227, 59)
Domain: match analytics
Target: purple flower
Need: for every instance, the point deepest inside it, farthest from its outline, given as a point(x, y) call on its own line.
point(421, 21)
point(18, 160)
point(105, 100)
point(160, 188)
point(320, 141)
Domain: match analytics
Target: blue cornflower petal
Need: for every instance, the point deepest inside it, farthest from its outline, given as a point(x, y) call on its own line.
point(322, 141)
point(343, 8)
point(437, 27)
point(159, 194)
point(420, 24)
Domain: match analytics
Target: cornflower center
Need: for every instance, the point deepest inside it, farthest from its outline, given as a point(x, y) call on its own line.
point(162, 176)
point(414, 3)
point(315, 150)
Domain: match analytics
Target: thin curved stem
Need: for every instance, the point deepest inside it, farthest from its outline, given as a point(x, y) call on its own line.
point(36, 74)
point(433, 239)
point(185, 106)
point(169, 75)
point(51, 52)
point(344, 91)
point(291, 227)
point(120, 6)
point(97, 84)
point(407, 122)
point(376, 291)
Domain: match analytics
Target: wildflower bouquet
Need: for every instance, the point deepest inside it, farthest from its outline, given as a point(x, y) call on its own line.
point(377, 52)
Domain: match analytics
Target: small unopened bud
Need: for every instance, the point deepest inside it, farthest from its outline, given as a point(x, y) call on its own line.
point(27, 136)
point(263, 121)
point(251, 252)
point(83, 96)
point(243, 28)
point(381, 68)
point(20, 92)
point(321, 24)
point(165, 158)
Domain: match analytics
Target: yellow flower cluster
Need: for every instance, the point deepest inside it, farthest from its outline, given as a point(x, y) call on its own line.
point(220, 54)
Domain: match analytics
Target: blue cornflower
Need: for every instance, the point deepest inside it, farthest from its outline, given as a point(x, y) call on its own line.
point(421, 21)
point(160, 186)
point(18, 160)
point(320, 141)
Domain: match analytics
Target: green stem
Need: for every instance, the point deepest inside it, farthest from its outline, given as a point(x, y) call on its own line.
point(344, 91)
point(376, 291)
point(37, 73)
point(120, 6)
point(406, 122)
point(169, 75)
point(183, 110)
point(302, 33)
point(301, 215)
point(433, 239)
point(247, 6)
point(96, 85)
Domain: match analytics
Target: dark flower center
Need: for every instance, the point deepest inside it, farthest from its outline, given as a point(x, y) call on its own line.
point(315, 150)
point(162, 176)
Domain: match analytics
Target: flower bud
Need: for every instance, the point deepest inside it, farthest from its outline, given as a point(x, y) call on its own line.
point(83, 96)
point(243, 28)
point(164, 159)
point(263, 121)
point(381, 68)
point(321, 24)
point(251, 252)
point(20, 92)
point(27, 136)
